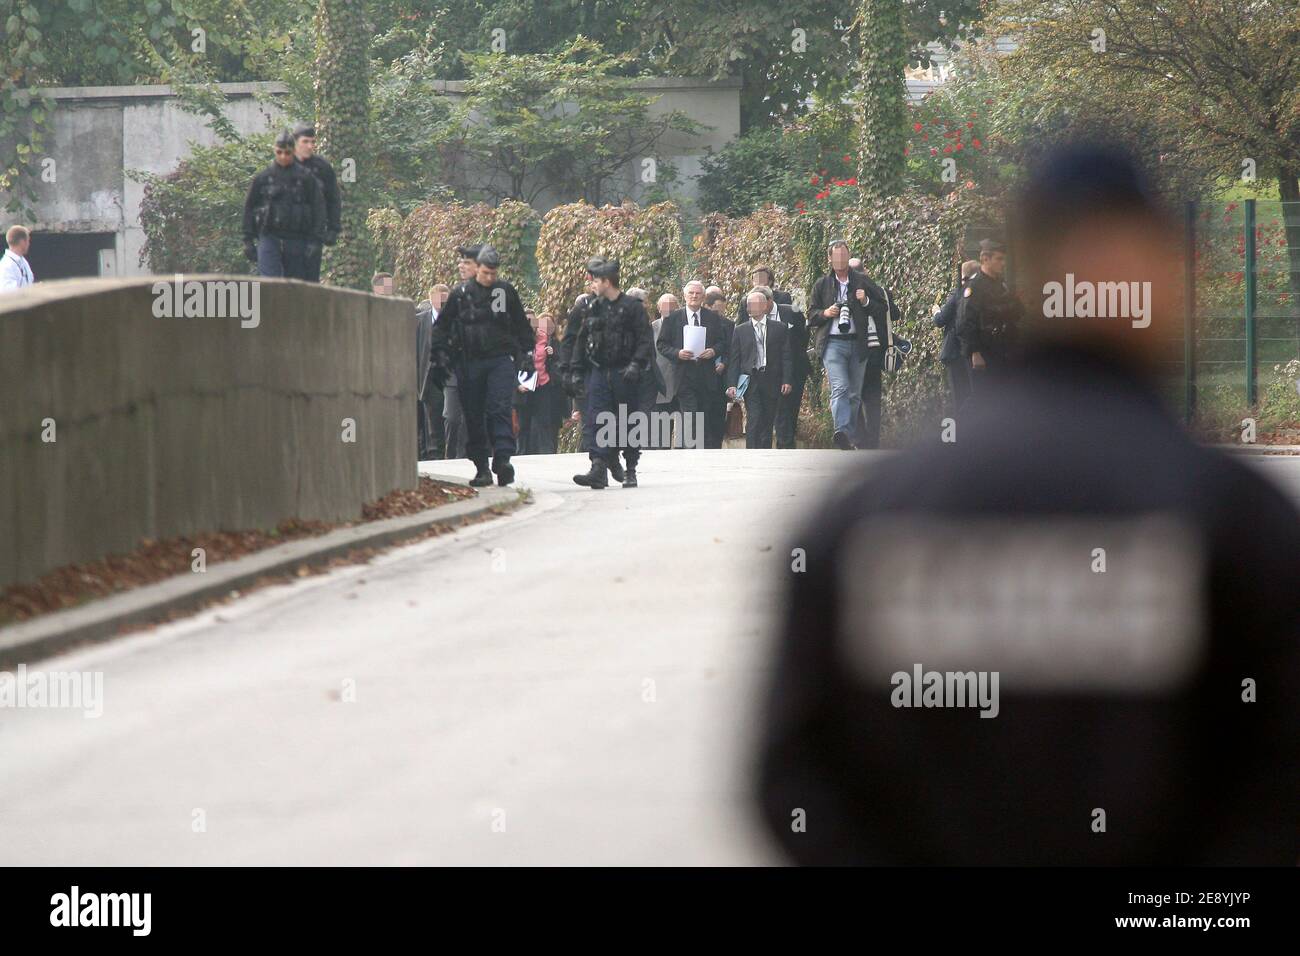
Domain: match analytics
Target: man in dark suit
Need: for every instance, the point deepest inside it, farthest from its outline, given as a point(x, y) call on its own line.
point(431, 424)
point(787, 407)
point(760, 349)
point(697, 375)
point(945, 317)
point(762, 277)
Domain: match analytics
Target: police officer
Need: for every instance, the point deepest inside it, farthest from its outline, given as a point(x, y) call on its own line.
point(304, 151)
point(284, 216)
point(988, 319)
point(485, 337)
point(615, 345)
point(1135, 595)
point(573, 371)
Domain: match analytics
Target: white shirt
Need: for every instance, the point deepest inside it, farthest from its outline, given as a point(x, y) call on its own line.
point(842, 298)
point(15, 273)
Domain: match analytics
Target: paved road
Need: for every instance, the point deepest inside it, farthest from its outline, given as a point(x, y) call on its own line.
point(500, 715)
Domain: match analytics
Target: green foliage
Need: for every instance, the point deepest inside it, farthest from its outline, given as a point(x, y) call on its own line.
point(883, 96)
point(421, 249)
point(909, 244)
point(343, 133)
point(647, 241)
point(192, 216)
point(563, 122)
point(804, 164)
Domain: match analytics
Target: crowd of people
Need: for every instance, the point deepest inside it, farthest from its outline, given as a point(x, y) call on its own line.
point(498, 379)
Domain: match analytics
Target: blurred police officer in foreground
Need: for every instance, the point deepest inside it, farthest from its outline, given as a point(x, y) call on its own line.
point(1071, 635)
point(614, 343)
point(483, 334)
point(988, 318)
point(304, 151)
point(284, 216)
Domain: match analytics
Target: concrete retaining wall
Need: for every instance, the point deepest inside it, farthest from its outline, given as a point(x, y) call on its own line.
point(166, 426)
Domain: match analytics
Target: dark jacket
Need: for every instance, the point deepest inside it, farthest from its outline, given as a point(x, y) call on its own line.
point(716, 337)
point(1068, 454)
point(988, 320)
point(329, 185)
point(946, 319)
point(825, 294)
point(480, 322)
point(423, 349)
point(796, 324)
point(744, 355)
point(285, 202)
point(614, 335)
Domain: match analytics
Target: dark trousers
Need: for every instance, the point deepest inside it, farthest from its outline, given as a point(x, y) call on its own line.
point(699, 394)
point(539, 421)
point(761, 400)
point(787, 414)
point(608, 394)
point(958, 382)
point(487, 389)
point(313, 265)
point(453, 420)
point(282, 258)
point(432, 428)
point(869, 420)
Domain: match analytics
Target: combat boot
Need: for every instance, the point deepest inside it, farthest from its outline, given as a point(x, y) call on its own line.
point(630, 480)
point(483, 477)
point(504, 470)
point(597, 477)
point(615, 468)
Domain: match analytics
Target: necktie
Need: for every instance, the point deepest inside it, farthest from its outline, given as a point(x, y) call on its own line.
point(695, 318)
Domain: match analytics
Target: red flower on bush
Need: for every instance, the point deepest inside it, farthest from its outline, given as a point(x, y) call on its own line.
point(916, 127)
point(970, 125)
point(814, 181)
point(848, 159)
point(975, 143)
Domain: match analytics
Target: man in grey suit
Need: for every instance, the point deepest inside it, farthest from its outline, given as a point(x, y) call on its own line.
point(665, 370)
point(760, 349)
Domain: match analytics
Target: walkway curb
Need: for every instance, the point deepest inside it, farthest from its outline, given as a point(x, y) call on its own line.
point(104, 619)
point(1258, 449)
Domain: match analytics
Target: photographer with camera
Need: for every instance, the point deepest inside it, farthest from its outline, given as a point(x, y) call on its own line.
point(847, 313)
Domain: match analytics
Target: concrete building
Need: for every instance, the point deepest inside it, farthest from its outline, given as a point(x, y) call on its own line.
point(87, 212)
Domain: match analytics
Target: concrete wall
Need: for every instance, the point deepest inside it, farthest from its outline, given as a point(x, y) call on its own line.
point(100, 132)
point(166, 426)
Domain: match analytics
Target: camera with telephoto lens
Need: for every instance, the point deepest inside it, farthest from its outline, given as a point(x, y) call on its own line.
point(844, 318)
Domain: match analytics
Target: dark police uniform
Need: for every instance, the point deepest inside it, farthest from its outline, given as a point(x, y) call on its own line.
point(284, 214)
point(329, 184)
point(484, 336)
point(1076, 449)
point(988, 321)
point(950, 355)
point(615, 347)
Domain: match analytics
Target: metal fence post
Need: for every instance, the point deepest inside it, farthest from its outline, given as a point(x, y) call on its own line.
point(1251, 385)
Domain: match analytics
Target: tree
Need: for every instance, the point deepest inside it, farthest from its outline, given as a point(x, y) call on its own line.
point(1220, 76)
point(883, 93)
point(564, 122)
point(343, 131)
